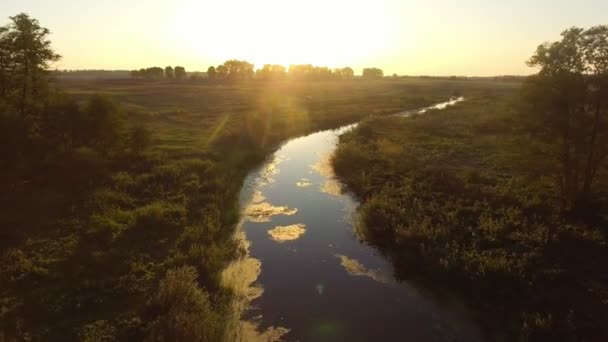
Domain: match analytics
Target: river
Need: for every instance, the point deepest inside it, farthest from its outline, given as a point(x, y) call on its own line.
point(305, 275)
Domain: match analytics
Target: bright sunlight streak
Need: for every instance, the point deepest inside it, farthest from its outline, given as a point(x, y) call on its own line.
point(318, 32)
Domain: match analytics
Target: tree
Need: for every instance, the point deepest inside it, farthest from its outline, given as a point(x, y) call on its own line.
point(566, 106)
point(104, 128)
point(169, 72)
point(271, 72)
point(300, 72)
point(25, 57)
point(135, 74)
point(64, 124)
point(139, 139)
point(180, 72)
point(344, 73)
point(372, 73)
point(236, 70)
point(222, 72)
point(153, 73)
point(211, 73)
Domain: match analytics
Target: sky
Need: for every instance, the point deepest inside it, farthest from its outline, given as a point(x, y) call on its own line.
point(406, 37)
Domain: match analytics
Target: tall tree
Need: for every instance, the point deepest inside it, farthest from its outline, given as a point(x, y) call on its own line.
point(25, 57)
point(566, 103)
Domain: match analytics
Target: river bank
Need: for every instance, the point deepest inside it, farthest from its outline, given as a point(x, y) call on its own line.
point(458, 199)
point(305, 274)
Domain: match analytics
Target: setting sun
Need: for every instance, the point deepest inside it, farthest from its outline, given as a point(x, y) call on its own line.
point(303, 170)
point(272, 31)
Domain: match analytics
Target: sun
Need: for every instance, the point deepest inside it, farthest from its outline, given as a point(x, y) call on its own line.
point(319, 32)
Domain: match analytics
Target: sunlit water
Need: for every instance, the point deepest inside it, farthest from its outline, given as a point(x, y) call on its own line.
point(306, 276)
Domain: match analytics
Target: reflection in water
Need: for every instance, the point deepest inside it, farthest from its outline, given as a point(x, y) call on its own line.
point(267, 174)
point(241, 276)
point(439, 106)
point(355, 268)
point(287, 233)
point(307, 295)
point(331, 185)
point(304, 183)
point(323, 166)
point(263, 212)
point(257, 197)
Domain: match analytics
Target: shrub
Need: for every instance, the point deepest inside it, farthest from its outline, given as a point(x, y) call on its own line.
point(184, 311)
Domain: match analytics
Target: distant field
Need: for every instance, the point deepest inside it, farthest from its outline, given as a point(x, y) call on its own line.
point(187, 115)
point(103, 241)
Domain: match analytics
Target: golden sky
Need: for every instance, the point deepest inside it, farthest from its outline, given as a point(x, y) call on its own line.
point(414, 37)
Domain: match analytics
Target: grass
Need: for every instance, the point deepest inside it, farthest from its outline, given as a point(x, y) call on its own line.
point(111, 244)
point(465, 197)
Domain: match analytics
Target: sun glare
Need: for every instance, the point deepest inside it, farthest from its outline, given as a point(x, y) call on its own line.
point(316, 32)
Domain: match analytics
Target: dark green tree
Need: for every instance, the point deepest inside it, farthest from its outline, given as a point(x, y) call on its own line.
point(25, 57)
point(566, 104)
point(105, 125)
point(139, 139)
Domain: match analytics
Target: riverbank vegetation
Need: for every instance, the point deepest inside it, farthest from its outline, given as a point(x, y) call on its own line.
point(120, 197)
point(502, 198)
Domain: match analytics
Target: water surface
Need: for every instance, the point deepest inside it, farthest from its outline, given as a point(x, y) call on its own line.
point(306, 276)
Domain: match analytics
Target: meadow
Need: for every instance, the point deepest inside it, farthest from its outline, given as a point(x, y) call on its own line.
point(128, 245)
point(465, 200)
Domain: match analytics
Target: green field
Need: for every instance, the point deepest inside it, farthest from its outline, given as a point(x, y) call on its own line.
point(111, 244)
point(466, 198)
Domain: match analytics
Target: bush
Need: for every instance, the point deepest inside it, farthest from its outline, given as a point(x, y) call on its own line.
point(184, 311)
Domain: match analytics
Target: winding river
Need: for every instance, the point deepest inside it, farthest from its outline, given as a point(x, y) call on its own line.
point(304, 274)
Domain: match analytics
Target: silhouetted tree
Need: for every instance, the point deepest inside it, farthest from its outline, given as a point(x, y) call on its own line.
point(169, 72)
point(271, 72)
point(567, 103)
point(25, 56)
point(153, 73)
point(236, 70)
point(372, 73)
point(222, 72)
point(180, 72)
point(344, 73)
point(135, 74)
point(211, 73)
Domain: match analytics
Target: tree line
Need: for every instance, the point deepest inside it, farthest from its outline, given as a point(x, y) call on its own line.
point(169, 72)
point(242, 70)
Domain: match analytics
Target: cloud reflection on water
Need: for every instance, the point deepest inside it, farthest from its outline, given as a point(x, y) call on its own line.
point(287, 233)
point(303, 183)
point(331, 185)
point(355, 268)
point(264, 211)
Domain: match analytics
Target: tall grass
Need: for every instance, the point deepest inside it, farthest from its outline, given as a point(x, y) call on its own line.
point(463, 198)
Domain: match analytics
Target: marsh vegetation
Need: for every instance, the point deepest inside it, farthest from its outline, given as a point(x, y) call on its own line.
point(120, 195)
point(502, 197)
